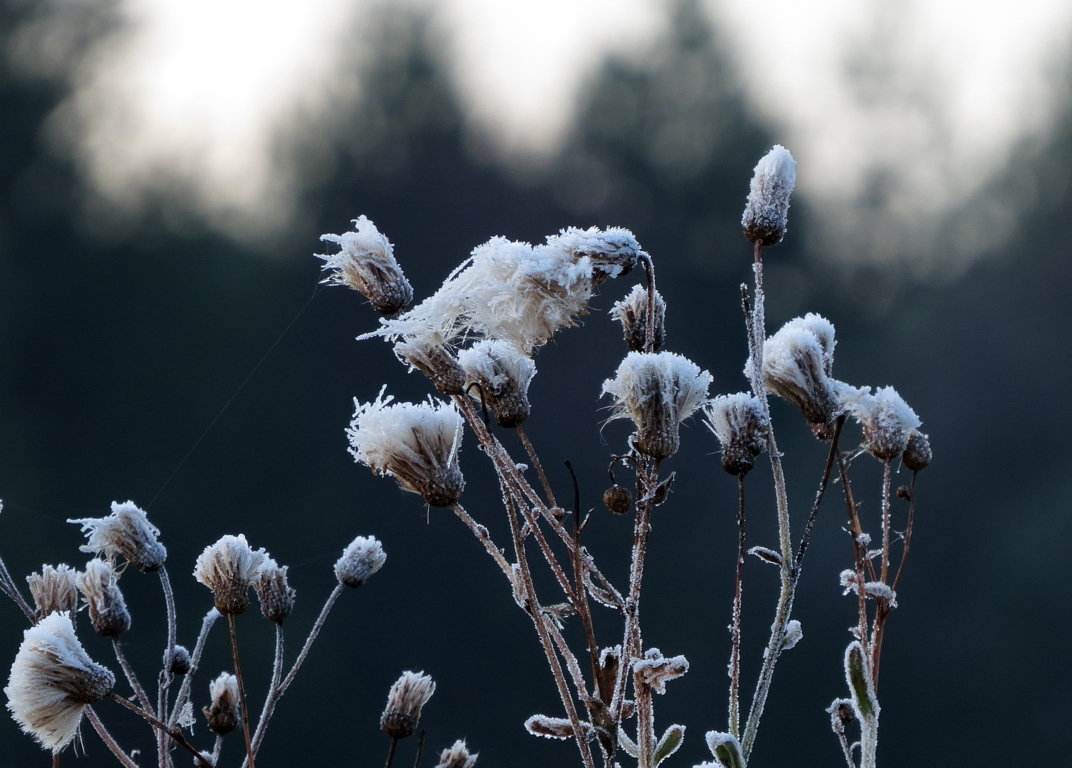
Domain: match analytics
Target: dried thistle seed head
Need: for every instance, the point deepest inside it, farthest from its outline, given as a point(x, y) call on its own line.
point(917, 453)
point(366, 263)
point(429, 354)
point(613, 252)
point(417, 444)
point(404, 701)
point(224, 713)
point(632, 313)
point(361, 558)
point(657, 391)
point(457, 756)
point(274, 593)
point(54, 589)
point(503, 375)
point(741, 427)
point(52, 680)
point(886, 419)
point(107, 609)
point(655, 670)
point(795, 367)
point(767, 209)
point(617, 499)
point(177, 661)
point(227, 568)
point(125, 533)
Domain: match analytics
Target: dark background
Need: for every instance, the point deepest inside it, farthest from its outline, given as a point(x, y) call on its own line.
point(209, 380)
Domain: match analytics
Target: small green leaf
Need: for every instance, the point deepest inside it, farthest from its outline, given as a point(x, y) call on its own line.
point(858, 676)
point(669, 743)
point(726, 749)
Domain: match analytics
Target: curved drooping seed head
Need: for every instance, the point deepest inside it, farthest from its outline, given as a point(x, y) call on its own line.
point(52, 681)
point(366, 263)
point(886, 419)
point(632, 313)
point(741, 427)
point(54, 589)
point(503, 374)
point(767, 208)
point(796, 366)
point(125, 533)
point(613, 252)
point(657, 391)
point(107, 609)
point(360, 560)
point(415, 443)
point(404, 702)
point(227, 568)
point(427, 351)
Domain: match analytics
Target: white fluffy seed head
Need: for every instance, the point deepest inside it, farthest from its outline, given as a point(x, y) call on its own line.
point(55, 588)
point(428, 352)
point(415, 443)
point(741, 427)
point(887, 421)
point(404, 702)
point(227, 568)
point(503, 375)
point(632, 313)
point(273, 592)
point(796, 367)
point(107, 609)
point(52, 680)
point(224, 712)
point(657, 391)
point(613, 252)
point(360, 560)
point(125, 533)
point(366, 263)
point(457, 756)
point(767, 208)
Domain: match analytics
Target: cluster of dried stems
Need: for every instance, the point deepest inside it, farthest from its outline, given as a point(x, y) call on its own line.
point(475, 340)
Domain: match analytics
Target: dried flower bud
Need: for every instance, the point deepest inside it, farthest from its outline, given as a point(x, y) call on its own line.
point(741, 427)
point(428, 353)
point(657, 391)
point(792, 635)
point(367, 264)
point(796, 366)
point(177, 661)
point(224, 713)
point(551, 727)
point(362, 558)
point(917, 453)
point(655, 670)
point(632, 313)
point(503, 375)
point(52, 680)
point(107, 609)
point(125, 533)
point(768, 197)
point(54, 589)
point(404, 701)
point(274, 593)
point(227, 568)
point(457, 756)
point(417, 444)
point(617, 499)
point(886, 419)
point(841, 713)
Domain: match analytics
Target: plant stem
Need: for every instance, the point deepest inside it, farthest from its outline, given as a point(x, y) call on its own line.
point(128, 672)
point(109, 742)
point(242, 702)
point(317, 626)
point(195, 659)
point(735, 625)
point(174, 733)
point(273, 692)
point(535, 459)
point(8, 587)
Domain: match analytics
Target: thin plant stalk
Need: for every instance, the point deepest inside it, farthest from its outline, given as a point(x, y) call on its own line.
point(535, 459)
point(735, 624)
point(174, 733)
point(242, 702)
point(128, 672)
point(195, 660)
point(108, 740)
point(273, 691)
point(391, 752)
point(8, 587)
point(313, 633)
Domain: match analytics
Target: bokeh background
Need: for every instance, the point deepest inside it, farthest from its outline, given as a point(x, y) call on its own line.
point(166, 169)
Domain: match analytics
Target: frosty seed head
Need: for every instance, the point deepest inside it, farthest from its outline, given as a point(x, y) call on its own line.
point(227, 568)
point(362, 558)
point(887, 421)
point(366, 263)
point(428, 353)
point(107, 609)
point(223, 714)
point(917, 453)
point(177, 661)
point(632, 313)
point(404, 701)
point(51, 682)
point(765, 213)
point(612, 252)
point(125, 533)
point(550, 727)
point(457, 756)
point(657, 391)
point(417, 444)
point(273, 592)
point(741, 427)
point(503, 375)
point(54, 589)
point(655, 670)
point(617, 499)
point(796, 365)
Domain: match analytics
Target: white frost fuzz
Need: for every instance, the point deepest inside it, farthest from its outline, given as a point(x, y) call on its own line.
point(767, 208)
point(227, 568)
point(360, 560)
point(415, 443)
point(657, 391)
point(125, 533)
point(887, 421)
point(52, 680)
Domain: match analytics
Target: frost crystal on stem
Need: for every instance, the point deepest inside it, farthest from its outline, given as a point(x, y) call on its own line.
point(767, 209)
point(415, 443)
point(52, 680)
point(125, 533)
point(366, 263)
